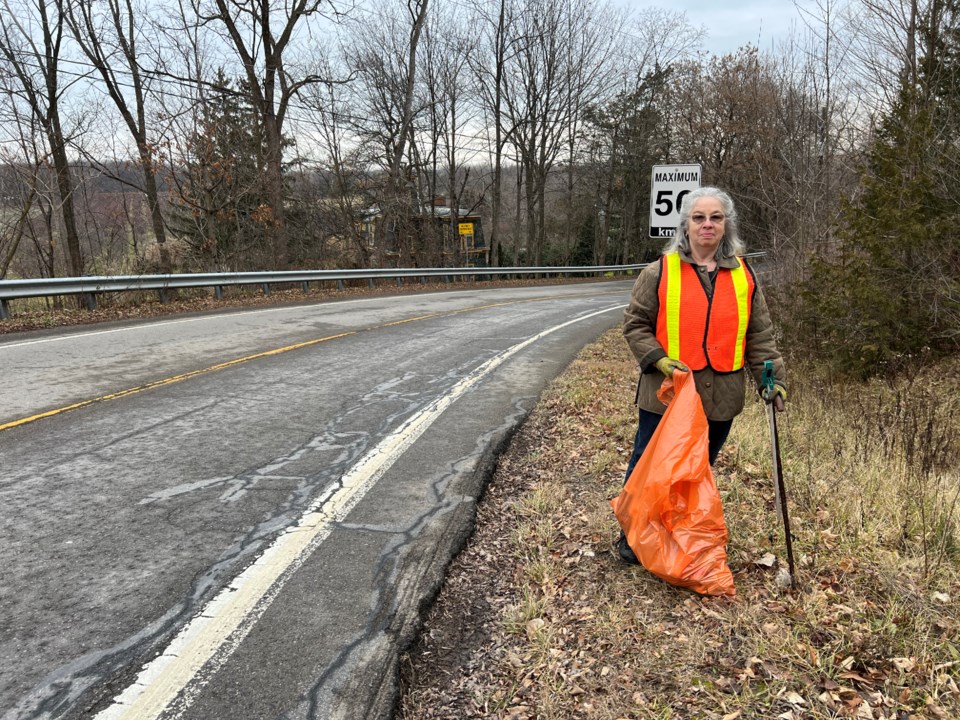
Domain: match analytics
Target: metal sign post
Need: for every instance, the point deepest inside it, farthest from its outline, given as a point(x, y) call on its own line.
point(668, 186)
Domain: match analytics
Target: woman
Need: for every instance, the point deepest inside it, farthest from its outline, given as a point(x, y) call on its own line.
point(700, 307)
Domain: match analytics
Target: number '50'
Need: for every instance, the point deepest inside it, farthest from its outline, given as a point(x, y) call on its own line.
point(664, 205)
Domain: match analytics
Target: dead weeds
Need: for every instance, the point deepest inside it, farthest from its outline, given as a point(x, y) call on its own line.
point(539, 619)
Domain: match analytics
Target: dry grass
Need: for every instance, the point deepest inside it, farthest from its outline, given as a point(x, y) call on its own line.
point(539, 619)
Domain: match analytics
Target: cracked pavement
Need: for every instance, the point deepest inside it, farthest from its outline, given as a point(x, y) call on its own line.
point(124, 519)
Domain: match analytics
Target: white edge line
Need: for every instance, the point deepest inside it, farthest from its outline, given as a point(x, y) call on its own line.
point(234, 611)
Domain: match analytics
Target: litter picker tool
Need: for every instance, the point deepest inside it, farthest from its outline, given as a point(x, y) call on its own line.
point(781, 492)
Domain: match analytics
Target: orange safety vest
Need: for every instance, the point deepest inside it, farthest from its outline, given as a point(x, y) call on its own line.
point(698, 330)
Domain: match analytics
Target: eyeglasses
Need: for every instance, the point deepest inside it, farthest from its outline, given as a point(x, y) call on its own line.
point(700, 218)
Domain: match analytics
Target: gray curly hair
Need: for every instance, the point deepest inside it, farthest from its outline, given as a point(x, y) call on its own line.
point(730, 245)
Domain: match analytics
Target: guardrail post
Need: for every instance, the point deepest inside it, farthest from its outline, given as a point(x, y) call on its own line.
point(4, 309)
point(305, 286)
point(399, 281)
point(423, 279)
point(90, 301)
point(162, 292)
point(340, 285)
point(218, 292)
point(370, 283)
point(266, 288)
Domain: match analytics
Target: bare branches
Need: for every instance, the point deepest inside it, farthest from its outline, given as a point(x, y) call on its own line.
point(546, 112)
point(110, 40)
point(23, 28)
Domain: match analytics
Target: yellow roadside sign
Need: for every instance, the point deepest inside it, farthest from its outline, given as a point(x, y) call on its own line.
point(466, 228)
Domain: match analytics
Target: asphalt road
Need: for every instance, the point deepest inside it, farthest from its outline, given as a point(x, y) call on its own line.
point(241, 515)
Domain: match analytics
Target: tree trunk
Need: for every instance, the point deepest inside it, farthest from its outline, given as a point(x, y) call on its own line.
point(275, 223)
point(494, 259)
point(395, 189)
point(65, 188)
point(156, 214)
point(533, 252)
point(518, 222)
point(94, 41)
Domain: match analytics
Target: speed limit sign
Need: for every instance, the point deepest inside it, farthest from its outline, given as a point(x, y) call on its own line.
point(669, 184)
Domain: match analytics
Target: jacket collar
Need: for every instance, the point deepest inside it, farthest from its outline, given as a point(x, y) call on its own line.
point(729, 263)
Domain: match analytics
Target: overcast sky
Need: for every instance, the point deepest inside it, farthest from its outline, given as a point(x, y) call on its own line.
point(733, 23)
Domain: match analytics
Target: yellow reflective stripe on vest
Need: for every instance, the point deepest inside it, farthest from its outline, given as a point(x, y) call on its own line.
point(673, 305)
point(742, 289)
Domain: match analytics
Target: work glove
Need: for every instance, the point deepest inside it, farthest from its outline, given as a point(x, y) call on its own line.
point(776, 395)
point(667, 365)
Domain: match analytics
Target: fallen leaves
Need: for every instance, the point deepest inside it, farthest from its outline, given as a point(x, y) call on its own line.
point(611, 642)
point(794, 698)
point(904, 664)
point(768, 560)
point(535, 627)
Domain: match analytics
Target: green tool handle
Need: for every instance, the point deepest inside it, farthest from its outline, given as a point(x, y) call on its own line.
point(766, 377)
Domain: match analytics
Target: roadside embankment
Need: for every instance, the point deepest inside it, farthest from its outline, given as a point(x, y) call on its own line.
point(538, 618)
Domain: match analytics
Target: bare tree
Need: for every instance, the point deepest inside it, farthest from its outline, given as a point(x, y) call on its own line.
point(384, 59)
point(261, 34)
point(724, 116)
point(342, 167)
point(28, 235)
point(886, 47)
point(31, 41)
point(17, 198)
point(548, 83)
point(488, 61)
point(626, 136)
point(448, 82)
point(396, 180)
point(109, 34)
point(593, 65)
point(616, 78)
point(817, 138)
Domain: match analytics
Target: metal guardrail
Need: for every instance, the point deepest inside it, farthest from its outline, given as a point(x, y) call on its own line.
point(90, 286)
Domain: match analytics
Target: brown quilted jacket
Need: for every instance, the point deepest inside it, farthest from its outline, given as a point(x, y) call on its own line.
point(722, 393)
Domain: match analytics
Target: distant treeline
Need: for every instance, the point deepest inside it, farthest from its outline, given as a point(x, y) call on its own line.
point(334, 134)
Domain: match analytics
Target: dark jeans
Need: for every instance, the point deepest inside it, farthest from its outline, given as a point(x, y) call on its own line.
point(719, 429)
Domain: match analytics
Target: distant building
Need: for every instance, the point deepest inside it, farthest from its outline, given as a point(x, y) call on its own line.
point(467, 247)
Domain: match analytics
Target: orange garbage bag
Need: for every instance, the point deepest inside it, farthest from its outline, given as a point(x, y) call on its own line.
point(670, 508)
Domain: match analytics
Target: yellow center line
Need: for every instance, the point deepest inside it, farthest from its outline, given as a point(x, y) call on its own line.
point(267, 353)
point(206, 642)
point(169, 380)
